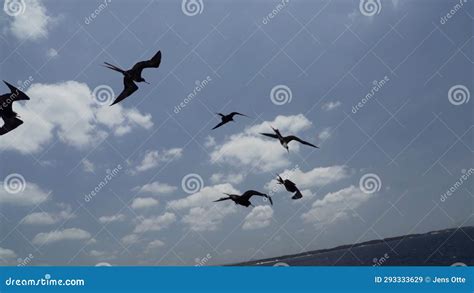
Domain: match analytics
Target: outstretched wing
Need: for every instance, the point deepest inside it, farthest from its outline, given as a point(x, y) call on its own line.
point(16, 94)
point(297, 195)
point(152, 63)
point(237, 113)
point(292, 137)
point(222, 199)
point(249, 193)
point(219, 125)
point(270, 135)
point(10, 124)
point(129, 88)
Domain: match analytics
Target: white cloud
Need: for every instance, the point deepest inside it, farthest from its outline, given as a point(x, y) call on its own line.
point(52, 53)
point(88, 166)
point(61, 235)
point(33, 24)
point(144, 202)
point(65, 110)
point(329, 106)
point(316, 177)
point(325, 134)
point(153, 159)
point(130, 239)
point(156, 188)
point(155, 223)
point(111, 219)
point(202, 213)
point(45, 218)
point(210, 141)
point(6, 254)
point(259, 217)
point(336, 205)
point(233, 178)
point(252, 150)
point(32, 195)
point(155, 244)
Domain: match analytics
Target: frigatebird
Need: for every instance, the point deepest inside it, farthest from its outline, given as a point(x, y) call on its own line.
point(227, 118)
point(244, 199)
point(284, 140)
point(290, 186)
point(134, 75)
point(10, 118)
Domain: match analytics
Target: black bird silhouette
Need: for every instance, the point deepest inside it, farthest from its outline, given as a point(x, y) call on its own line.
point(244, 199)
point(290, 186)
point(227, 118)
point(134, 75)
point(284, 140)
point(9, 117)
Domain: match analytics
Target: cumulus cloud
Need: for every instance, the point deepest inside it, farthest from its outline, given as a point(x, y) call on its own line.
point(336, 205)
point(6, 253)
point(202, 214)
point(48, 218)
point(130, 239)
point(111, 219)
point(88, 166)
point(250, 149)
point(260, 217)
point(156, 188)
point(155, 223)
point(155, 244)
point(30, 196)
point(33, 24)
point(325, 134)
point(143, 202)
point(154, 158)
point(329, 106)
point(67, 111)
point(233, 178)
point(61, 235)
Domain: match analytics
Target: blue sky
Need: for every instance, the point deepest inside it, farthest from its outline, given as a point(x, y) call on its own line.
point(389, 150)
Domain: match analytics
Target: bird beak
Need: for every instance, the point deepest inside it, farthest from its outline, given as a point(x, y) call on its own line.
point(147, 82)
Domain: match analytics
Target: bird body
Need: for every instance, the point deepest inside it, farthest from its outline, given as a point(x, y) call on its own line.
point(244, 199)
point(227, 118)
point(131, 76)
point(290, 186)
point(9, 117)
point(285, 140)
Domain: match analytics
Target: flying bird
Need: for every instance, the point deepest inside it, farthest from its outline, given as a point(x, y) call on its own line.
point(9, 117)
point(244, 199)
point(285, 140)
point(290, 186)
point(227, 118)
point(134, 75)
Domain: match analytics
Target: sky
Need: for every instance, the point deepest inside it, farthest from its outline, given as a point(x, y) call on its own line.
point(382, 87)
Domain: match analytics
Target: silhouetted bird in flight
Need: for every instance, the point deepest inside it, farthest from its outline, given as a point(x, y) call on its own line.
point(284, 140)
point(290, 186)
point(244, 199)
point(134, 75)
point(227, 118)
point(9, 117)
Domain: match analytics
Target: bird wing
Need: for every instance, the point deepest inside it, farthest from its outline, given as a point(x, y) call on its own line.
point(291, 184)
point(219, 125)
point(16, 94)
point(292, 137)
point(237, 113)
point(222, 199)
point(270, 135)
point(249, 193)
point(297, 195)
point(129, 88)
point(10, 124)
point(152, 63)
